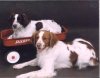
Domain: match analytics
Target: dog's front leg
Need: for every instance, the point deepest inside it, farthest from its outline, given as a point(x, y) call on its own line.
point(37, 74)
point(10, 37)
point(46, 71)
point(29, 63)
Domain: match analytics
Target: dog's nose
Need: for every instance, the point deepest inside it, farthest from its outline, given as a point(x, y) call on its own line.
point(15, 26)
point(38, 45)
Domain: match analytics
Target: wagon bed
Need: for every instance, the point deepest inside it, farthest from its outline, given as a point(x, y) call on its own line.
point(24, 41)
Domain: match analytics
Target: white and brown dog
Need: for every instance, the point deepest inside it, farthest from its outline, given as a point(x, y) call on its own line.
point(24, 27)
point(54, 54)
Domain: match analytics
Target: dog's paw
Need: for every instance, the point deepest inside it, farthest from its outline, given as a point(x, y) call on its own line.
point(18, 66)
point(37, 74)
point(22, 76)
point(10, 37)
point(27, 75)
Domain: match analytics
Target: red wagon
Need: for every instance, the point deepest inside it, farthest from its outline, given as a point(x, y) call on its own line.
point(14, 56)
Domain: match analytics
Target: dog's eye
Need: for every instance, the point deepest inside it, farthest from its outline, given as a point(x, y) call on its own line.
point(45, 38)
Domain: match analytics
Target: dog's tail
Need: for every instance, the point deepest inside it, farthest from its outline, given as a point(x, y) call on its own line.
point(93, 61)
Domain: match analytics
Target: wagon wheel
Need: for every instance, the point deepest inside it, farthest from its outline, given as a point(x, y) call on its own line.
point(13, 57)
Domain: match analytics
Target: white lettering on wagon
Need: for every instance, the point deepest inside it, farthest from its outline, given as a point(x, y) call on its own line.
point(22, 41)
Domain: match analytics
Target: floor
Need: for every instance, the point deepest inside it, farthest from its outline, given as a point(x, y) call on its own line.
point(6, 71)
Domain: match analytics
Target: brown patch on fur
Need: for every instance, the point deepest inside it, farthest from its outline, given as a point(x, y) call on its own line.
point(35, 37)
point(88, 45)
point(95, 61)
point(46, 38)
point(49, 38)
point(53, 39)
point(73, 57)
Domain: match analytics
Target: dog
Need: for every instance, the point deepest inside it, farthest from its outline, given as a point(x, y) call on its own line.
point(55, 54)
point(24, 27)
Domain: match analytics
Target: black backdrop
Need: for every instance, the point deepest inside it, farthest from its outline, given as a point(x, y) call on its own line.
point(81, 17)
point(72, 13)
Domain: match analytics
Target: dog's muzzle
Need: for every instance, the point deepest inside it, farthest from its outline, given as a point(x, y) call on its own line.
point(14, 26)
point(38, 45)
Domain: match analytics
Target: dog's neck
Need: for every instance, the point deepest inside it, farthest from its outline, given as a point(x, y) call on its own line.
point(42, 51)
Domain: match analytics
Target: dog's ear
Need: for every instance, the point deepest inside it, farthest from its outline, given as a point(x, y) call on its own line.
point(53, 39)
point(25, 19)
point(11, 18)
point(24, 16)
point(34, 37)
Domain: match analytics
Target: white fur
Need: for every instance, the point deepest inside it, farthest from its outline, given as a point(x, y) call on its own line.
point(21, 32)
point(40, 41)
point(57, 57)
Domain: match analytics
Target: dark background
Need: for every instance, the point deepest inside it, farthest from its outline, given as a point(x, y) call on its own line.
point(80, 17)
point(72, 13)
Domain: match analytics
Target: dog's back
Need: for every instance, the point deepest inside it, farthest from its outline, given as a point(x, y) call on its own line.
point(23, 27)
point(86, 55)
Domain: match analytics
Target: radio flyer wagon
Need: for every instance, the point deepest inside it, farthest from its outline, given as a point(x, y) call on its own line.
point(14, 56)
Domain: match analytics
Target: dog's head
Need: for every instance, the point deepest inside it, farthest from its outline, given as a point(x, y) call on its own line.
point(19, 21)
point(43, 39)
